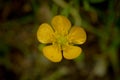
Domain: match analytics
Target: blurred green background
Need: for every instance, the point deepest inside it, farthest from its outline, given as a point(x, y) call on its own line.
point(21, 57)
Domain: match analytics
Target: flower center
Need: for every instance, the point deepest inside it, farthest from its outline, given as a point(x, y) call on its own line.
point(60, 39)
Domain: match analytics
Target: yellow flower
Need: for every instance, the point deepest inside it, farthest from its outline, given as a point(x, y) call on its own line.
point(63, 37)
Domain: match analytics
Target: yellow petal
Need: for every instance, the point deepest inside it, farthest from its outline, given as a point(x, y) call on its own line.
point(77, 35)
point(53, 53)
point(61, 24)
point(45, 33)
point(71, 52)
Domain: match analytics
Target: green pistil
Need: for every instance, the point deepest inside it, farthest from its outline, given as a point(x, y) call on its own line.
point(62, 40)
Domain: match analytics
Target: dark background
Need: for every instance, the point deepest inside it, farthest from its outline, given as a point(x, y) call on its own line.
point(21, 57)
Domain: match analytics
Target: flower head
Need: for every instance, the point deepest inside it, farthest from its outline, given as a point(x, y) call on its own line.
point(63, 37)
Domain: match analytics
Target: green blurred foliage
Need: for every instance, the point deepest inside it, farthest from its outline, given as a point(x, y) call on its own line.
point(21, 55)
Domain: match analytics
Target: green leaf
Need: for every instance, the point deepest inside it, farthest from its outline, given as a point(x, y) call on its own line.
point(80, 58)
point(40, 46)
point(66, 11)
